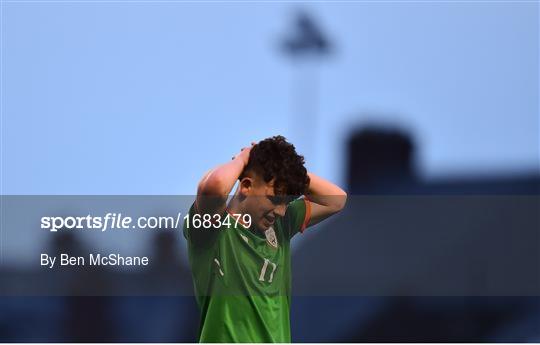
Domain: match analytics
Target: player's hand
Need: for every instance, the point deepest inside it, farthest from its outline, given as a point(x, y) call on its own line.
point(244, 153)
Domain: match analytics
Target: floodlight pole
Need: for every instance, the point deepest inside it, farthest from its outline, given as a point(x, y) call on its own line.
point(306, 45)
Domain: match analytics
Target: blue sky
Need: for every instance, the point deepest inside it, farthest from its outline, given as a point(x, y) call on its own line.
point(144, 97)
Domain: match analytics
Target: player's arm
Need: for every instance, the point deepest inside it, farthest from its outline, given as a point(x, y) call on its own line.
point(325, 198)
point(216, 184)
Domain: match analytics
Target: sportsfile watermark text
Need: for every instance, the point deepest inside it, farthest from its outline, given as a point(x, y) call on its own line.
point(118, 221)
point(111, 221)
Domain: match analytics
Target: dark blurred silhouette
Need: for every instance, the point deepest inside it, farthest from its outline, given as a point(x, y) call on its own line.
point(380, 160)
point(383, 263)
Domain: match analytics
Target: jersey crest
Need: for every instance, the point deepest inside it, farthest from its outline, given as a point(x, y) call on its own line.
point(271, 237)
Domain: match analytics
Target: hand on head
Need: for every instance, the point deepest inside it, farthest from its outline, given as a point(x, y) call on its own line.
point(244, 153)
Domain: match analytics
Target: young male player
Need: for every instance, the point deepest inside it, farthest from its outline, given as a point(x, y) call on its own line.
point(240, 252)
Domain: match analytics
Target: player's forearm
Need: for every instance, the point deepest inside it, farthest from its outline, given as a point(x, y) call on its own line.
point(326, 193)
point(220, 180)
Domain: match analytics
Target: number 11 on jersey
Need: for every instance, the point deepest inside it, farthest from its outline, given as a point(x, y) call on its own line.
point(263, 270)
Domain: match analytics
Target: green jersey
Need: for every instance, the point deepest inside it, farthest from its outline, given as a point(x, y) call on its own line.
point(242, 277)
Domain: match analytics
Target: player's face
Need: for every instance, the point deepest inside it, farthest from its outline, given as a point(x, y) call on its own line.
point(265, 205)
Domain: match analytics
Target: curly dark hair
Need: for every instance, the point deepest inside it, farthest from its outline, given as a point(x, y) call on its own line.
point(275, 158)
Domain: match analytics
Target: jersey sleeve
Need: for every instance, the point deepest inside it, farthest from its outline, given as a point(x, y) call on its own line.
point(297, 216)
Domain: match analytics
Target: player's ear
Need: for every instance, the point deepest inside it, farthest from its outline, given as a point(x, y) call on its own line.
point(246, 186)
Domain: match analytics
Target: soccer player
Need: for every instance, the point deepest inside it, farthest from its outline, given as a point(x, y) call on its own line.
point(240, 252)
